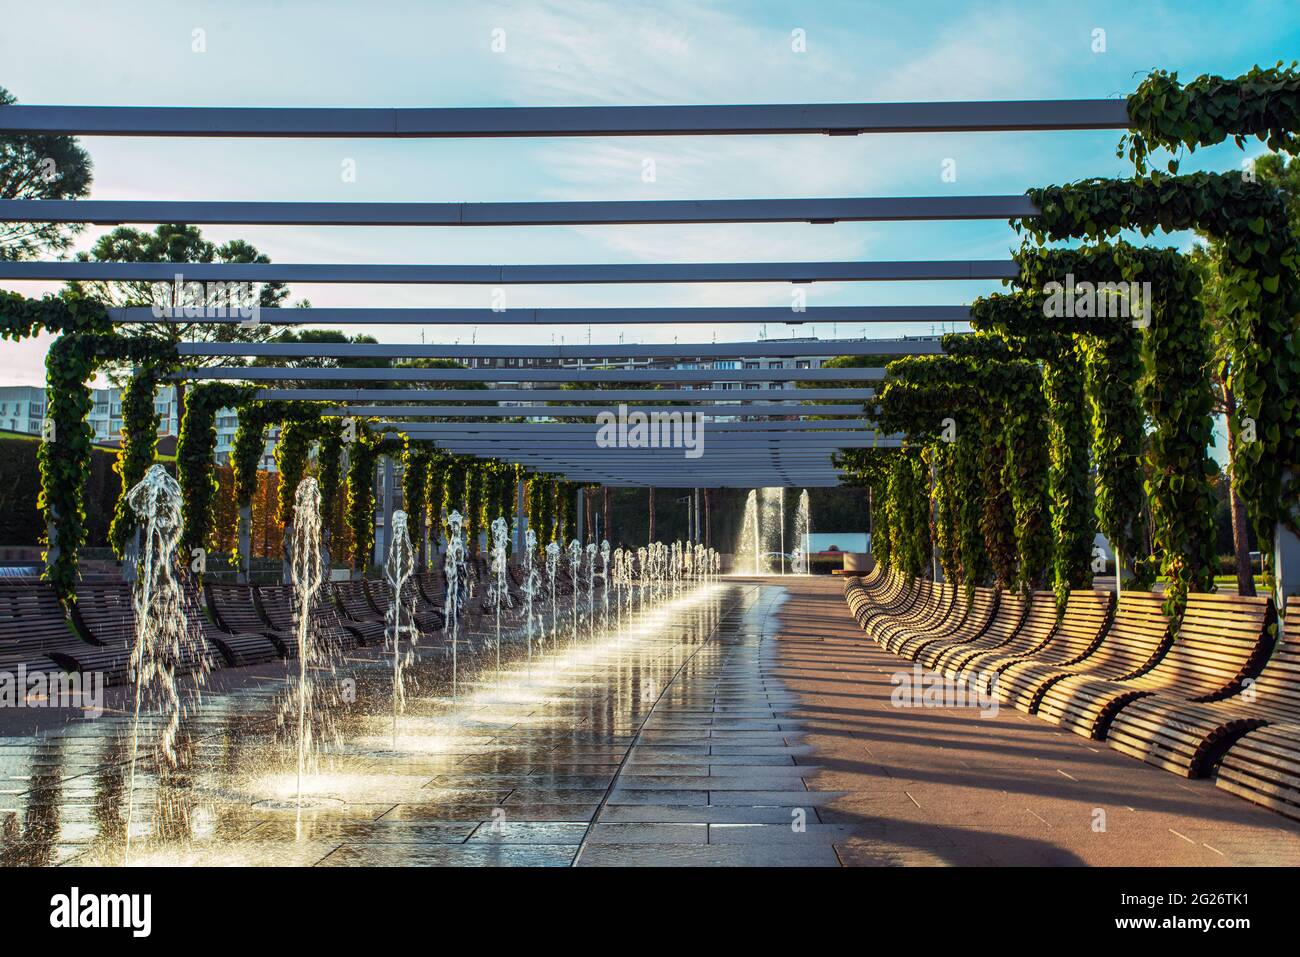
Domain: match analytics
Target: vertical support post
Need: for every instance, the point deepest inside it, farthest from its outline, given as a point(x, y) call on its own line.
point(245, 543)
point(695, 498)
point(935, 567)
point(578, 510)
point(1286, 560)
point(651, 536)
point(132, 557)
point(381, 541)
point(521, 521)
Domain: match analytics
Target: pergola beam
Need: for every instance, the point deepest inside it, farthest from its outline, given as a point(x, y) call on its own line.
point(352, 374)
point(774, 409)
point(514, 121)
point(111, 212)
point(768, 348)
point(586, 316)
point(737, 398)
point(526, 274)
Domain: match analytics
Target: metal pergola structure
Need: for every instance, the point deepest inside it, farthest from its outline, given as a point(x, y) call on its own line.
point(786, 434)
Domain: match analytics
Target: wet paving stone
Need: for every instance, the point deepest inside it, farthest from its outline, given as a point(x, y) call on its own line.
point(677, 747)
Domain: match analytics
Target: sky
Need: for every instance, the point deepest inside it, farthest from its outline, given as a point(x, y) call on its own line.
point(589, 52)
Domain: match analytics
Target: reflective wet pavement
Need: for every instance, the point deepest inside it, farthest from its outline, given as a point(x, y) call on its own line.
point(663, 746)
point(747, 725)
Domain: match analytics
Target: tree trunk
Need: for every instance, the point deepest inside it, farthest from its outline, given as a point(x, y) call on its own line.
point(652, 513)
point(590, 530)
point(1237, 508)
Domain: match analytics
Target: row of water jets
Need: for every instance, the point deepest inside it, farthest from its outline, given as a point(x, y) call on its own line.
point(607, 588)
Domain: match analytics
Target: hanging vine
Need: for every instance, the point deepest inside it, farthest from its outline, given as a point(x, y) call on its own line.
point(1257, 258)
point(139, 447)
point(1156, 362)
point(1263, 103)
point(194, 454)
point(1069, 482)
point(22, 318)
point(64, 455)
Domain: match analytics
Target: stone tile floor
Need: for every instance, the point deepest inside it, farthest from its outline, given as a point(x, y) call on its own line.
point(949, 786)
point(748, 726)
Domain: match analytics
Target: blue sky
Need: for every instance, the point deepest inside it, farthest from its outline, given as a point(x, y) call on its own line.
point(585, 52)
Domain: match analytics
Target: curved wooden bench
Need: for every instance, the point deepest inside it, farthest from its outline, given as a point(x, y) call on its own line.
point(1138, 639)
point(929, 607)
point(892, 601)
point(1222, 641)
point(276, 602)
point(1130, 640)
point(1034, 632)
point(978, 617)
point(34, 628)
point(1188, 738)
point(106, 612)
point(428, 620)
point(1011, 612)
point(241, 634)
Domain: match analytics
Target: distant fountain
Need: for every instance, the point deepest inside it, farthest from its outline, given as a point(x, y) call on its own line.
point(772, 527)
point(620, 584)
point(802, 532)
point(591, 589)
point(749, 550)
point(499, 590)
point(604, 584)
point(552, 568)
point(575, 570)
point(454, 566)
point(398, 569)
point(642, 556)
point(161, 637)
point(531, 586)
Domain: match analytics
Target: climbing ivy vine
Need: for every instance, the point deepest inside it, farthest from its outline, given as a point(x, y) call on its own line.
point(1263, 103)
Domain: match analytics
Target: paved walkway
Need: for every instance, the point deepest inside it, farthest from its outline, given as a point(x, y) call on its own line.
point(748, 726)
point(947, 786)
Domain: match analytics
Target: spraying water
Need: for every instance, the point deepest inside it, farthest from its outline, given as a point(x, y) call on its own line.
point(575, 567)
point(499, 591)
point(398, 569)
point(454, 566)
point(802, 530)
point(552, 567)
point(591, 590)
point(308, 573)
point(160, 633)
point(749, 550)
point(604, 584)
point(642, 554)
point(531, 585)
